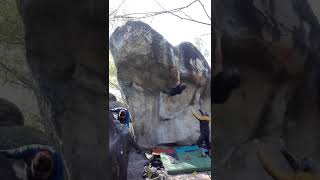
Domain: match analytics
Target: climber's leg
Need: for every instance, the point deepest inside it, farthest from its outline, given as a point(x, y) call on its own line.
point(200, 140)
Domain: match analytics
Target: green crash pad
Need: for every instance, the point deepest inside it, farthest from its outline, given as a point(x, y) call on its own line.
point(187, 162)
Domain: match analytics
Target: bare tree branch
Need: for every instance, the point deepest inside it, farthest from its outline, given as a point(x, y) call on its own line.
point(161, 12)
point(205, 34)
point(204, 9)
point(151, 14)
point(116, 10)
point(189, 19)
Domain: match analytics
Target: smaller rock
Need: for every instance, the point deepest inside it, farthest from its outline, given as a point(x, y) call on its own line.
point(112, 97)
point(10, 115)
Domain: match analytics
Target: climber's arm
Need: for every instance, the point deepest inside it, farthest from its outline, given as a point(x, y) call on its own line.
point(200, 117)
point(196, 116)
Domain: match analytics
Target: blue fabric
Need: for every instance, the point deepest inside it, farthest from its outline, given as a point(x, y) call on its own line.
point(127, 119)
point(58, 171)
point(29, 151)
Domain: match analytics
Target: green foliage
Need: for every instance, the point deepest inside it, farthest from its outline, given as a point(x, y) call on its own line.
point(199, 43)
point(113, 82)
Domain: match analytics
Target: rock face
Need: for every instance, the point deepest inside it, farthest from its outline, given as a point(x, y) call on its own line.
point(147, 64)
point(15, 136)
point(275, 44)
point(10, 115)
point(65, 49)
point(120, 139)
point(112, 97)
point(118, 150)
point(6, 170)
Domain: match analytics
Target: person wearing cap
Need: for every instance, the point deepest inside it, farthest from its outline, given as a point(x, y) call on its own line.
point(123, 115)
point(204, 120)
point(43, 162)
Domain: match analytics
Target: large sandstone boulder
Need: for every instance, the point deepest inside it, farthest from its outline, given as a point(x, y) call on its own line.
point(147, 64)
point(65, 49)
point(275, 45)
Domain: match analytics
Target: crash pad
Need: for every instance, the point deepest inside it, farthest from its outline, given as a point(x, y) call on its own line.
point(188, 162)
point(187, 148)
point(163, 150)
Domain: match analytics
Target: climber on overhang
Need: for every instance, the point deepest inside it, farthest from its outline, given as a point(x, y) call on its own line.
point(123, 115)
point(43, 162)
point(176, 90)
point(204, 120)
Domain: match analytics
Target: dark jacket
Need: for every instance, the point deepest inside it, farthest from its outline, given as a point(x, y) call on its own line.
point(127, 119)
point(176, 90)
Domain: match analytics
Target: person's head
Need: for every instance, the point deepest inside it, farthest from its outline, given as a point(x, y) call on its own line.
point(42, 165)
point(122, 114)
point(203, 113)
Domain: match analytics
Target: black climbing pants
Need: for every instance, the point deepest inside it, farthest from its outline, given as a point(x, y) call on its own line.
point(203, 137)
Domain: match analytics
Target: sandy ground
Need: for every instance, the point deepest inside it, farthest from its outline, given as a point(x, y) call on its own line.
point(137, 162)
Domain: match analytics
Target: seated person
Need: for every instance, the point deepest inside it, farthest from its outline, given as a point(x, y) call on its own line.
point(43, 163)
